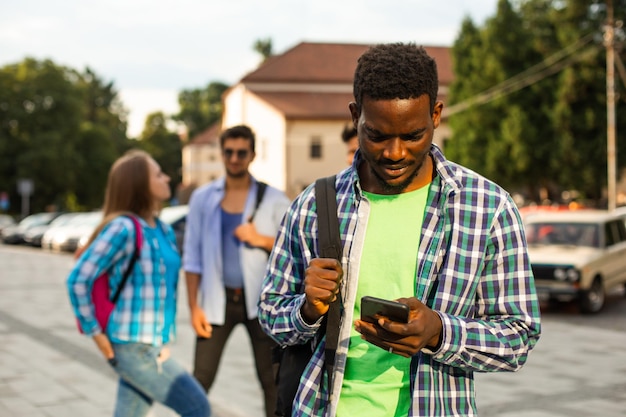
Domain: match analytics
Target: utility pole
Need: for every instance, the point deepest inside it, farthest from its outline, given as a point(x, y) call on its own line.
point(610, 106)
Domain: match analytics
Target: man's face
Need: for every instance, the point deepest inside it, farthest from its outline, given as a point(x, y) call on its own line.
point(394, 138)
point(237, 155)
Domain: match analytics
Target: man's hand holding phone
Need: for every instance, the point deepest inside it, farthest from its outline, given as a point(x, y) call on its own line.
point(406, 338)
point(322, 281)
point(373, 308)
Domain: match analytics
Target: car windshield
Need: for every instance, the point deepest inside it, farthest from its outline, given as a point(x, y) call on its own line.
point(63, 219)
point(578, 234)
point(37, 219)
point(88, 219)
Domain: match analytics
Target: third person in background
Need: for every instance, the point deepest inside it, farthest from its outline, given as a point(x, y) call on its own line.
point(227, 241)
point(349, 137)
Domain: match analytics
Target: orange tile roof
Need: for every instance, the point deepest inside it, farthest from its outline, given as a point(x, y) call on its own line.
point(330, 63)
point(310, 105)
point(209, 135)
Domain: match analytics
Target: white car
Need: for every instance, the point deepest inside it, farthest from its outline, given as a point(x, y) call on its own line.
point(577, 255)
point(66, 237)
point(34, 235)
point(175, 216)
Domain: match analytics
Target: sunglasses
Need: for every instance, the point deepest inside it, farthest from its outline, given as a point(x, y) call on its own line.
point(241, 153)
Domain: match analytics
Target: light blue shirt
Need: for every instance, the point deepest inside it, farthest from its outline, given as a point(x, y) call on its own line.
point(202, 252)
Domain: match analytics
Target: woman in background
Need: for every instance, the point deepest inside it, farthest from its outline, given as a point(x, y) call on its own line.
point(143, 320)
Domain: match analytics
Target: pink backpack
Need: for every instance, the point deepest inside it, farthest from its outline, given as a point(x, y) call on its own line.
point(103, 305)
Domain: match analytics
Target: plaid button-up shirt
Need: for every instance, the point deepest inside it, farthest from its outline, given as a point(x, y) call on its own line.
point(472, 268)
point(145, 311)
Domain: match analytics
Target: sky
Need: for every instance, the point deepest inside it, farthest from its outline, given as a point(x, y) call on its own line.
point(151, 50)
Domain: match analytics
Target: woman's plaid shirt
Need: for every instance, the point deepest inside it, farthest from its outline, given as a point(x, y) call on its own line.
point(147, 302)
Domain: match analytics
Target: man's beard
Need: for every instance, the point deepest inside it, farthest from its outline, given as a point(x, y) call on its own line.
point(398, 188)
point(239, 174)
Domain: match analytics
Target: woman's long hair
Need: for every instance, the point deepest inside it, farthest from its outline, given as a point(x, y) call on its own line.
point(127, 190)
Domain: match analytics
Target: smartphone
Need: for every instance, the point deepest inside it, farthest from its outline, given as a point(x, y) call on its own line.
point(372, 307)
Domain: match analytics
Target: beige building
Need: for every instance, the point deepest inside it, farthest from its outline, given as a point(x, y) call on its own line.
point(297, 104)
point(202, 160)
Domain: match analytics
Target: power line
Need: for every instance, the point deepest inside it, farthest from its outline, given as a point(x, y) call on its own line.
point(547, 67)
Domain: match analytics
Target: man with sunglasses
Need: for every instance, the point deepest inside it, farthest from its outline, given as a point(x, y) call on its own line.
point(227, 241)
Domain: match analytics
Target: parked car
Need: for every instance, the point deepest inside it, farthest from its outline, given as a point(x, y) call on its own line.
point(66, 237)
point(6, 221)
point(577, 255)
point(176, 216)
point(15, 234)
point(34, 235)
point(621, 211)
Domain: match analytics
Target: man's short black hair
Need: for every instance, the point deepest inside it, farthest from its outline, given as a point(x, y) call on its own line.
point(239, 131)
point(349, 131)
point(395, 70)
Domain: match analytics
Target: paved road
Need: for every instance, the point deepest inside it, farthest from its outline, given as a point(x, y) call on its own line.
point(47, 369)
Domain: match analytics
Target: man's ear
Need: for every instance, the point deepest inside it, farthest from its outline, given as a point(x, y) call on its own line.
point(354, 113)
point(436, 116)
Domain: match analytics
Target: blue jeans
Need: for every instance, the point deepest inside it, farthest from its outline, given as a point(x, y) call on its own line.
point(145, 378)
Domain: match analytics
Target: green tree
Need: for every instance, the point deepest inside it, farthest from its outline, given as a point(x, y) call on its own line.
point(484, 58)
point(264, 47)
point(200, 108)
point(97, 153)
point(579, 116)
point(104, 108)
point(467, 145)
point(164, 146)
point(101, 140)
point(60, 128)
point(40, 113)
point(543, 125)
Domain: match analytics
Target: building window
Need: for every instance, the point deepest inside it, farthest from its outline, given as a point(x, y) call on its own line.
point(316, 147)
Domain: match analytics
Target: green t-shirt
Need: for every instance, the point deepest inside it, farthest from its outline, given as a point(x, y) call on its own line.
point(377, 383)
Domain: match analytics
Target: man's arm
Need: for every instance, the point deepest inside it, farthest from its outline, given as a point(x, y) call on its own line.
point(192, 263)
point(198, 320)
point(192, 242)
point(282, 292)
point(505, 324)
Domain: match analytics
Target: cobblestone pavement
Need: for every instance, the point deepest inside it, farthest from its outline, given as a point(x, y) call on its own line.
point(48, 370)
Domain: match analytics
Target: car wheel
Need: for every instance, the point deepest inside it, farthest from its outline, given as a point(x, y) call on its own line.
point(592, 300)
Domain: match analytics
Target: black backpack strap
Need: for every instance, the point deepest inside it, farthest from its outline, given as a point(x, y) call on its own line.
point(330, 246)
point(260, 192)
point(329, 240)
